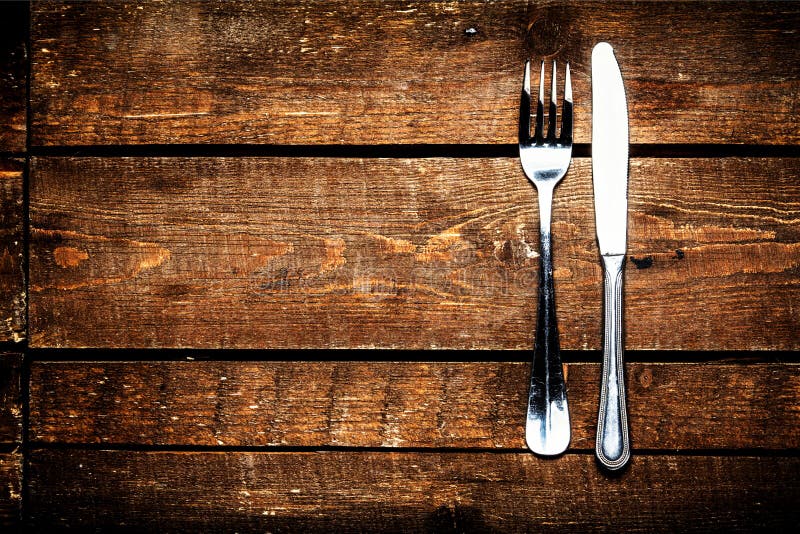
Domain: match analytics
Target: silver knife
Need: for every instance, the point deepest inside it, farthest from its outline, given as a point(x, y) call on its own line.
point(610, 179)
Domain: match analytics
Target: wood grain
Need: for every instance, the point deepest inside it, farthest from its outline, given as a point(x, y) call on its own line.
point(307, 252)
point(10, 398)
point(11, 491)
point(402, 253)
point(394, 404)
point(10, 441)
point(341, 72)
point(406, 492)
point(13, 75)
point(12, 273)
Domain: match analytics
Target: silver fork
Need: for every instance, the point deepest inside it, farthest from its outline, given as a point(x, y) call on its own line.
point(545, 160)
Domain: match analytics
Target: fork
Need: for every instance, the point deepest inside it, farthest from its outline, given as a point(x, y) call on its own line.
point(545, 160)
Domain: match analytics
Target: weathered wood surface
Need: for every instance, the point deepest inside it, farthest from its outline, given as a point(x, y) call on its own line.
point(407, 492)
point(10, 398)
point(12, 274)
point(13, 75)
point(10, 491)
point(392, 404)
point(341, 72)
point(10, 441)
point(402, 253)
point(13, 89)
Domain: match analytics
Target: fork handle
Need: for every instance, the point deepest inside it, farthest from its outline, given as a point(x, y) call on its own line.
point(547, 430)
point(613, 443)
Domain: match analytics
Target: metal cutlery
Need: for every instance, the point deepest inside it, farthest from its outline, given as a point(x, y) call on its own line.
point(610, 180)
point(545, 159)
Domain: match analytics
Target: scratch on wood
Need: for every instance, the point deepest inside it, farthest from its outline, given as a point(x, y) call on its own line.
point(165, 115)
point(310, 113)
point(377, 286)
point(726, 259)
point(667, 229)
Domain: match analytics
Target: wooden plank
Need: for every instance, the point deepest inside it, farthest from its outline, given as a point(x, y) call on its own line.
point(402, 253)
point(13, 75)
point(10, 398)
point(12, 273)
point(390, 404)
point(10, 440)
point(341, 72)
point(407, 492)
point(11, 491)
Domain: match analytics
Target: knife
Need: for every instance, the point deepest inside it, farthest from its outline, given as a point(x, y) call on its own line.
point(610, 180)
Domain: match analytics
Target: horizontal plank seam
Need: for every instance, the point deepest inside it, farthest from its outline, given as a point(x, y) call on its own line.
point(14, 346)
point(465, 151)
point(131, 447)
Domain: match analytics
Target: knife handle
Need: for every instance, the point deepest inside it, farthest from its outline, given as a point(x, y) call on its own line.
point(547, 429)
point(613, 443)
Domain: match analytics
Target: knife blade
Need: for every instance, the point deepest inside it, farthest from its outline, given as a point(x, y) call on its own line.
point(609, 151)
point(610, 183)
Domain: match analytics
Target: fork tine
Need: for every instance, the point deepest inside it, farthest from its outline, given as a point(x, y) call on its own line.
point(553, 109)
point(538, 135)
point(525, 107)
point(566, 112)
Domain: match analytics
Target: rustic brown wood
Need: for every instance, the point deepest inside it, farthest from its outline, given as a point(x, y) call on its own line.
point(10, 491)
point(407, 492)
point(405, 253)
point(389, 404)
point(12, 274)
point(10, 440)
point(13, 75)
point(10, 398)
point(398, 253)
point(392, 72)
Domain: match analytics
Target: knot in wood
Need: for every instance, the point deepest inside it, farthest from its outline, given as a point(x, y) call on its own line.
point(646, 378)
point(547, 33)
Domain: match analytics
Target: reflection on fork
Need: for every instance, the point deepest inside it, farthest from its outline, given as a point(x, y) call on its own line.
point(545, 160)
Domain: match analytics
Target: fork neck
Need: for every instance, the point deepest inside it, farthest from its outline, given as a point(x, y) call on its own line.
point(545, 194)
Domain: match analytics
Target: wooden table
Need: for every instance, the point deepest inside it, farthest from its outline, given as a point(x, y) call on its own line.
point(189, 186)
